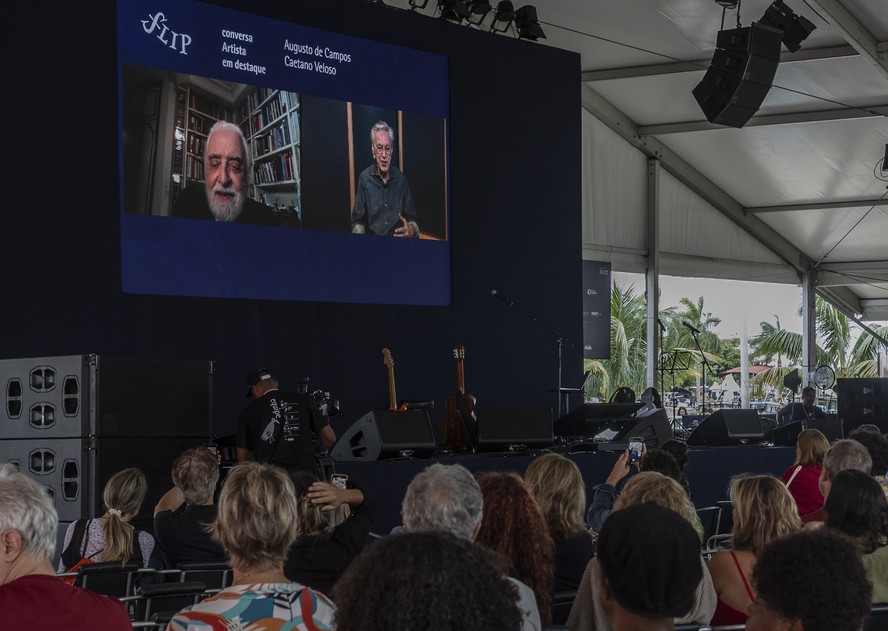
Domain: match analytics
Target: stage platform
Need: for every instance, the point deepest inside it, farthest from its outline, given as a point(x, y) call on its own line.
point(709, 469)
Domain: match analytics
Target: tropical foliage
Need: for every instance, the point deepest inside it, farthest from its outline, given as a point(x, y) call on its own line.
point(682, 351)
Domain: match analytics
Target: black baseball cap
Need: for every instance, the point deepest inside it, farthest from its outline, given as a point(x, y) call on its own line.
point(255, 377)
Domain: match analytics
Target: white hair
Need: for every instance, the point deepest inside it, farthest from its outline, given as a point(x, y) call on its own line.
point(27, 508)
point(445, 498)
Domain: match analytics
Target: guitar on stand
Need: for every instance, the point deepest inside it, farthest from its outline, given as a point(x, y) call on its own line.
point(393, 398)
point(461, 426)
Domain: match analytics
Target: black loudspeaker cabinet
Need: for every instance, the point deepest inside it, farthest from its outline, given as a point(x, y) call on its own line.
point(740, 74)
point(725, 428)
point(501, 430)
point(787, 435)
point(386, 434)
point(654, 428)
point(70, 422)
point(863, 401)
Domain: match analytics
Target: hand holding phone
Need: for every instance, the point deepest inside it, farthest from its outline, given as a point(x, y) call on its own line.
point(636, 449)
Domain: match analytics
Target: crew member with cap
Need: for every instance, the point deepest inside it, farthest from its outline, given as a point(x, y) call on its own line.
point(650, 561)
point(278, 426)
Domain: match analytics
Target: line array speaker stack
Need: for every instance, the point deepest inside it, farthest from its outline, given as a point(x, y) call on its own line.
point(71, 422)
point(863, 401)
point(740, 74)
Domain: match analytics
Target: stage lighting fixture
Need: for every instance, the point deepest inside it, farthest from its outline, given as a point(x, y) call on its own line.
point(504, 14)
point(796, 28)
point(727, 4)
point(527, 23)
point(453, 10)
point(479, 8)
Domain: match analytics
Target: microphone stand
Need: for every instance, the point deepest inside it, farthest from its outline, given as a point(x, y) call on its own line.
point(559, 339)
point(704, 364)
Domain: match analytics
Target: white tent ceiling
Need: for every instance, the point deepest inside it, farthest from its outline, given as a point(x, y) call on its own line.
point(801, 177)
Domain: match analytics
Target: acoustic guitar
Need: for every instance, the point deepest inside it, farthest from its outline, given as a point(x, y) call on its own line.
point(393, 398)
point(461, 423)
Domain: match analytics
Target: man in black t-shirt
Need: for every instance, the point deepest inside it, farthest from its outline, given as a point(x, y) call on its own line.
point(803, 410)
point(278, 426)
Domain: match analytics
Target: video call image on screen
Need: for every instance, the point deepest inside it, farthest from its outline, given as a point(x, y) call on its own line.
point(299, 159)
point(277, 132)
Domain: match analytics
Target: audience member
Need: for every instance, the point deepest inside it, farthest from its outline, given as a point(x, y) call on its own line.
point(650, 567)
point(425, 581)
point(679, 451)
point(809, 581)
point(183, 515)
point(661, 461)
point(255, 526)
point(557, 485)
point(604, 495)
point(513, 525)
point(877, 447)
point(31, 596)
point(842, 455)
point(644, 488)
point(447, 498)
point(763, 511)
point(332, 528)
point(111, 537)
point(803, 477)
point(857, 507)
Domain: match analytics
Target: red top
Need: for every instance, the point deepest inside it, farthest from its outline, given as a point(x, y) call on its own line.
point(39, 602)
point(805, 487)
point(725, 614)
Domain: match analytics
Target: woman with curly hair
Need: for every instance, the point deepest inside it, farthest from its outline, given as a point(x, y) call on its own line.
point(645, 487)
point(513, 525)
point(763, 511)
point(425, 580)
point(557, 485)
point(803, 477)
point(856, 506)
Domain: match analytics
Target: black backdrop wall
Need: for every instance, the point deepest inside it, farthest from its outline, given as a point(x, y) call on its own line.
point(515, 199)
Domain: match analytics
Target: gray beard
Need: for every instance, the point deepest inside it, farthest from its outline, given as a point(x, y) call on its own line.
point(226, 210)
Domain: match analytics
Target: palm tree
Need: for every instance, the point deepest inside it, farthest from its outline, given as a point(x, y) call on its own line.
point(834, 337)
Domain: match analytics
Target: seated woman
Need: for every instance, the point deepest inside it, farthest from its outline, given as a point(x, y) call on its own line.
point(332, 527)
point(390, 587)
point(557, 485)
point(856, 506)
point(255, 526)
point(111, 537)
point(647, 486)
point(763, 511)
point(513, 525)
point(803, 477)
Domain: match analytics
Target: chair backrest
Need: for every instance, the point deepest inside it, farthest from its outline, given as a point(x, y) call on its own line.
point(878, 619)
point(562, 602)
point(165, 597)
point(213, 575)
point(110, 578)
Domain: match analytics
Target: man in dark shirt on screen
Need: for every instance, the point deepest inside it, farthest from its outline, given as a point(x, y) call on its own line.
point(278, 427)
point(383, 202)
point(803, 410)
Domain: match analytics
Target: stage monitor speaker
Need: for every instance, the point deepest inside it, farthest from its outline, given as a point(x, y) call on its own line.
point(386, 434)
point(654, 428)
point(725, 428)
point(740, 74)
point(514, 430)
point(788, 435)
